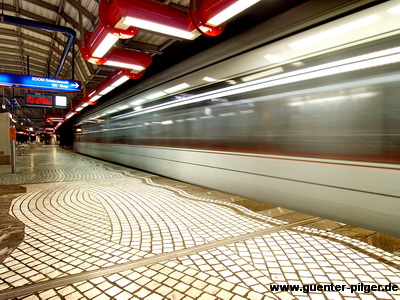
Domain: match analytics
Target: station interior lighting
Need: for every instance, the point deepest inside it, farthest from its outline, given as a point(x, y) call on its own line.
point(150, 15)
point(97, 43)
point(229, 9)
point(122, 19)
point(156, 27)
point(94, 98)
point(126, 59)
point(106, 44)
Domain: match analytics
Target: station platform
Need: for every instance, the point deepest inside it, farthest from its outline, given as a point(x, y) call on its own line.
point(73, 227)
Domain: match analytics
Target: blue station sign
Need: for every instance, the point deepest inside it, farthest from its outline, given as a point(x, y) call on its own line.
point(39, 83)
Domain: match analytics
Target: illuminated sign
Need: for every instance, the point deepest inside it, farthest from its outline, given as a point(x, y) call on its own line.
point(45, 100)
point(60, 100)
point(39, 83)
point(38, 99)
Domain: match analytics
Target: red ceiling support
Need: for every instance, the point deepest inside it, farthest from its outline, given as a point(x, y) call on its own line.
point(122, 19)
point(126, 59)
point(150, 15)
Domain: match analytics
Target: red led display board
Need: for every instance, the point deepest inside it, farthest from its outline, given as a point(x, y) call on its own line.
point(39, 100)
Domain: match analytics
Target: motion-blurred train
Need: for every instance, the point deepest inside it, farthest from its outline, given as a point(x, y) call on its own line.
point(303, 119)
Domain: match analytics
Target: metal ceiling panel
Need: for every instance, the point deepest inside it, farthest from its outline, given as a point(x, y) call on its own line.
point(45, 47)
point(184, 3)
point(150, 38)
point(38, 10)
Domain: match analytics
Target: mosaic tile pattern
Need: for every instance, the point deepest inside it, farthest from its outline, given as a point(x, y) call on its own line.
point(168, 280)
point(64, 166)
point(69, 230)
point(87, 216)
point(302, 258)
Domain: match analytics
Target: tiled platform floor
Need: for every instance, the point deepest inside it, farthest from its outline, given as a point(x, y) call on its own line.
point(95, 230)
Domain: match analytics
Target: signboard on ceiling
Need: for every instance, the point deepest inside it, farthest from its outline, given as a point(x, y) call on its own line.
point(39, 83)
point(38, 99)
point(45, 100)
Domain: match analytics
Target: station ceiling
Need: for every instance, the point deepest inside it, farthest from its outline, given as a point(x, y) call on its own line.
point(36, 51)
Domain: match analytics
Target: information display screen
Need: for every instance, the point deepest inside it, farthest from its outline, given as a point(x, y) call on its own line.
point(60, 101)
point(39, 100)
point(45, 100)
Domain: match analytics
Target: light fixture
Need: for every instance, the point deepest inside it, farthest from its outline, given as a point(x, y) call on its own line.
point(120, 81)
point(126, 59)
point(226, 10)
point(68, 116)
point(124, 65)
point(157, 27)
point(106, 90)
point(94, 98)
point(97, 43)
point(105, 45)
point(149, 15)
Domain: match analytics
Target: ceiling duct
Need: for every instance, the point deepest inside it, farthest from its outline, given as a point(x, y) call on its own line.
point(31, 23)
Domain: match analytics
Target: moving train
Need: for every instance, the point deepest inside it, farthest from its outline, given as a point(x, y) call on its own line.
point(308, 121)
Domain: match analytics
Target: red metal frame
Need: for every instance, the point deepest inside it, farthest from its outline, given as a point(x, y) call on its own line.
point(146, 10)
point(126, 56)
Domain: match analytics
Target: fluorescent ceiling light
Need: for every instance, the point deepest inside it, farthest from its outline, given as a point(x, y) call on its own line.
point(177, 88)
point(85, 104)
point(79, 108)
point(120, 81)
point(92, 93)
point(69, 115)
point(168, 30)
point(317, 38)
point(106, 90)
point(105, 45)
point(124, 65)
point(155, 95)
point(230, 12)
point(209, 79)
point(95, 98)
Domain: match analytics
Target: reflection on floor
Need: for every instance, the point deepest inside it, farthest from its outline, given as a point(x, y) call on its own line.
point(94, 230)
